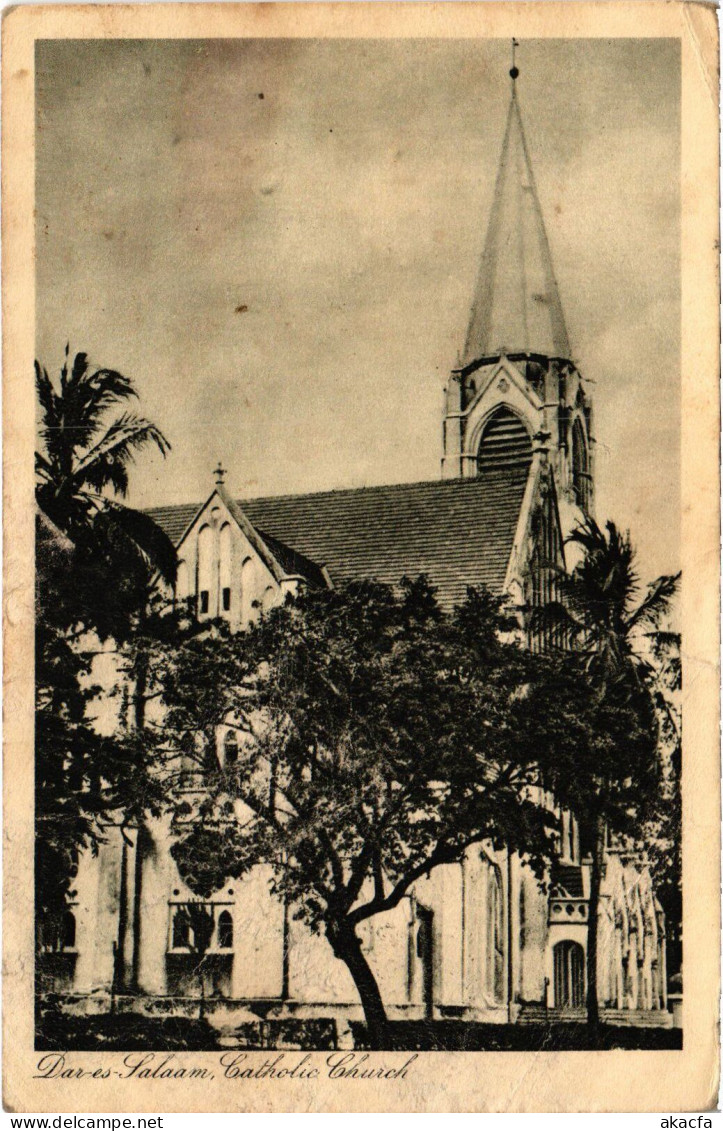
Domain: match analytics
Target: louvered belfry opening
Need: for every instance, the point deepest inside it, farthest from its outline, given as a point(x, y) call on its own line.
point(505, 443)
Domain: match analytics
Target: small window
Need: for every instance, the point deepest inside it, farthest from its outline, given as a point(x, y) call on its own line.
point(230, 750)
point(181, 930)
point(225, 931)
point(204, 600)
point(226, 599)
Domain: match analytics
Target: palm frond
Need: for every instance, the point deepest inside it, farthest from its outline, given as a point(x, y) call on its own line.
point(46, 397)
point(43, 468)
point(87, 396)
point(558, 618)
point(656, 603)
point(152, 542)
point(116, 447)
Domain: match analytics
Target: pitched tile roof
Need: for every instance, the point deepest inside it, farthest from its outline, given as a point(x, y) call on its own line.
point(293, 562)
point(458, 531)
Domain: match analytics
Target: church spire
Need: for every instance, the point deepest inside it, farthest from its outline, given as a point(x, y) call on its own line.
point(516, 307)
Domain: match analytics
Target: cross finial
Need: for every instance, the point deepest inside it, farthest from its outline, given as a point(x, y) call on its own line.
point(514, 72)
point(219, 474)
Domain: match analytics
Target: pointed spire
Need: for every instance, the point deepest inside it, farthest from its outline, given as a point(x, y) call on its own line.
point(516, 305)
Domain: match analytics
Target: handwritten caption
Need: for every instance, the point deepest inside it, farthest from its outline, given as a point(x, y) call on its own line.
point(230, 1066)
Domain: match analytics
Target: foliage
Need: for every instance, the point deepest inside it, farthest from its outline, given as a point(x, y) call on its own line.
point(603, 613)
point(95, 562)
point(663, 831)
point(82, 467)
point(614, 780)
point(84, 779)
point(377, 739)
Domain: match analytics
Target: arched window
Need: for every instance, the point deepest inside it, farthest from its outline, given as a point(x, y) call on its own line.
point(247, 589)
point(181, 929)
point(505, 443)
point(230, 750)
point(225, 931)
point(205, 570)
point(183, 586)
point(67, 932)
point(580, 467)
point(224, 567)
point(569, 971)
point(267, 601)
point(495, 935)
point(523, 915)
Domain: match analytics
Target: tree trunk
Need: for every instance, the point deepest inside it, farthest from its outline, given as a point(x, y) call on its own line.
point(140, 691)
point(347, 946)
point(202, 996)
point(593, 1008)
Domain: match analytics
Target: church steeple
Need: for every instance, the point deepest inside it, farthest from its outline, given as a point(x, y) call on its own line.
point(516, 306)
point(515, 380)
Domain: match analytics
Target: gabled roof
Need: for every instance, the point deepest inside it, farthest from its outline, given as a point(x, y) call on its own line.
point(516, 306)
point(458, 531)
point(281, 560)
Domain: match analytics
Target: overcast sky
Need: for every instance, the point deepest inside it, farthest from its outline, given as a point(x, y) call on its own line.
point(278, 241)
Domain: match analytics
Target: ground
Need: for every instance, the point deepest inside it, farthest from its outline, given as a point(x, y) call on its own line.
point(130, 1032)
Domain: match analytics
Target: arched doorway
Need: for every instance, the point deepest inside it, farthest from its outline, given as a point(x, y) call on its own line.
point(425, 954)
point(569, 968)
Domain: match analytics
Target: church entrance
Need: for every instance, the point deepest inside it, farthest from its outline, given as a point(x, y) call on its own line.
point(569, 965)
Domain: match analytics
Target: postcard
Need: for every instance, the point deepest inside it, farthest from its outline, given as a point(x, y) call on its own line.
point(361, 557)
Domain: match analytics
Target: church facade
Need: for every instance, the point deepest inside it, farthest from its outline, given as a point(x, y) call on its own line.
point(481, 939)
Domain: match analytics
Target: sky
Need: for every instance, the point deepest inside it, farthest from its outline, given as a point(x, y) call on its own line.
point(278, 241)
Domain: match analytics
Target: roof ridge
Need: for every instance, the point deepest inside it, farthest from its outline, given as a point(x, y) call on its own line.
point(441, 483)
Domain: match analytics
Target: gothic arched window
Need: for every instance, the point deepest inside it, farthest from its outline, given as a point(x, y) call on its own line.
point(225, 931)
point(505, 443)
point(224, 567)
point(247, 588)
point(205, 569)
point(580, 467)
point(182, 580)
point(495, 935)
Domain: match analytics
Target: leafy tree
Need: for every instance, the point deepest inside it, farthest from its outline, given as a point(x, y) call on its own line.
point(377, 740)
point(615, 779)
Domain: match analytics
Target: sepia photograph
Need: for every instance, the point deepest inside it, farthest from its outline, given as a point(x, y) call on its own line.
point(361, 620)
point(358, 714)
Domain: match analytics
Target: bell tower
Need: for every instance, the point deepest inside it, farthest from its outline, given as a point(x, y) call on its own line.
point(515, 386)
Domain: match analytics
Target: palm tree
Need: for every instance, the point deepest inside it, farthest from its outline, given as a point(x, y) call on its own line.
point(97, 564)
point(609, 623)
point(82, 471)
point(604, 613)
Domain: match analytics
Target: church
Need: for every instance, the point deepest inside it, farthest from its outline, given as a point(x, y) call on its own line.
point(479, 940)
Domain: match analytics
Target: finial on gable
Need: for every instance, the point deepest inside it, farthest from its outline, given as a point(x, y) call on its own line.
point(219, 474)
point(514, 71)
